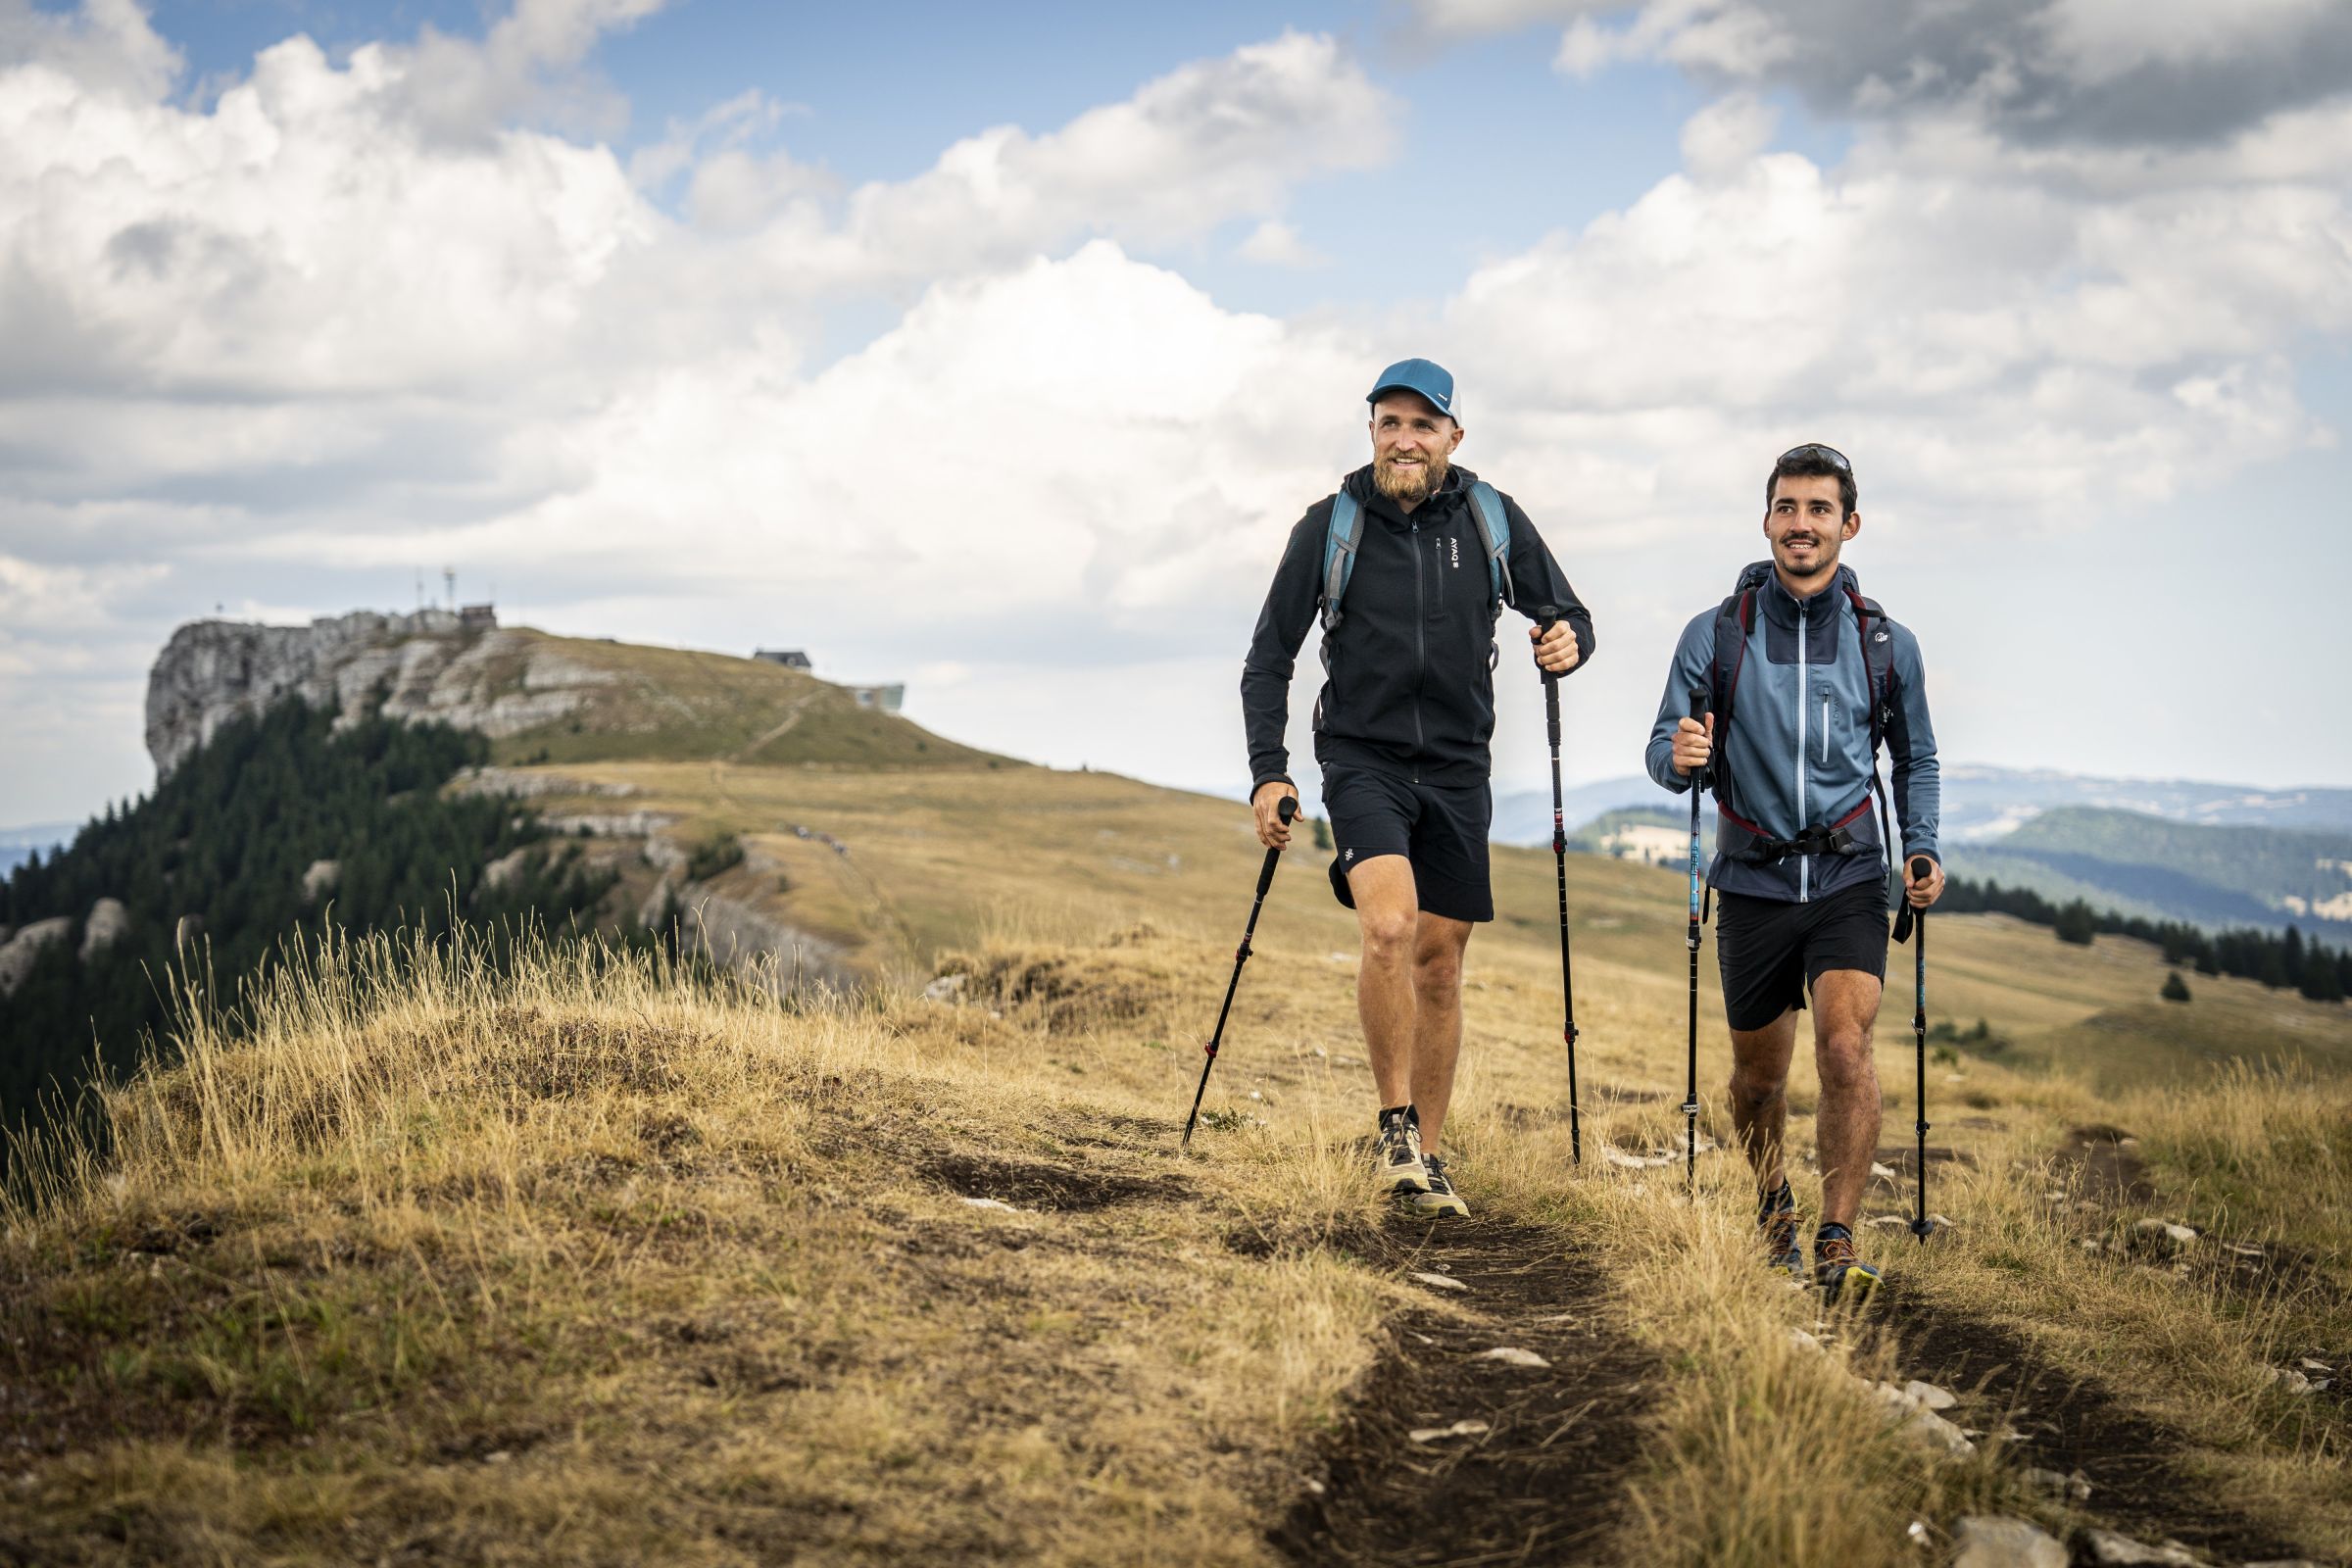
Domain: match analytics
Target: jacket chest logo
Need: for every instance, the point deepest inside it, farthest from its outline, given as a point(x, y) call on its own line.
point(1454, 545)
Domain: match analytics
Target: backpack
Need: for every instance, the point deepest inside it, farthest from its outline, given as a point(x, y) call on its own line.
point(1348, 527)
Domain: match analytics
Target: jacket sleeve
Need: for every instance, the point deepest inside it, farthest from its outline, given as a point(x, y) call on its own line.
point(1536, 580)
point(1282, 626)
point(1911, 742)
point(1693, 671)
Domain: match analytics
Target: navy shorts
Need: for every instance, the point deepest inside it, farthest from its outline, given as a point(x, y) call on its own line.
point(1771, 951)
point(1441, 829)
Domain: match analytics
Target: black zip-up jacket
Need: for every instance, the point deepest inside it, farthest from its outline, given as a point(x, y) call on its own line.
point(1409, 688)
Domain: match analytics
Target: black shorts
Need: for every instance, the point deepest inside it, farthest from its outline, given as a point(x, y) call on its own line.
point(1441, 829)
point(1771, 951)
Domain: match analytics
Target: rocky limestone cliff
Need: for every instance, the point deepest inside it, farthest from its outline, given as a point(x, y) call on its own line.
point(428, 666)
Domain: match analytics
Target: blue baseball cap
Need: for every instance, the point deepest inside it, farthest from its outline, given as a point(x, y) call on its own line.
point(1425, 376)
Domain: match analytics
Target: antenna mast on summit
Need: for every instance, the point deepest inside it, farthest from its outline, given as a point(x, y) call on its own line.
point(449, 580)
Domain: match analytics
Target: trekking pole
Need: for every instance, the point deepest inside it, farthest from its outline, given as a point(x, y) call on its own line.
point(1286, 808)
point(1699, 787)
point(1921, 866)
point(1547, 617)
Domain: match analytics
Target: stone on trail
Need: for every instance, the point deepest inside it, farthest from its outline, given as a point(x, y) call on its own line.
point(947, 988)
point(1885, 1173)
point(1460, 1429)
point(1513, 1355)
point(2110, 1551)
point(1993, 1540)
point(1444, 1282)
point(1929, 1395)
point(2075, 1486)
point(998, 1205)
point(2177, 1235)
point(1920, 1423)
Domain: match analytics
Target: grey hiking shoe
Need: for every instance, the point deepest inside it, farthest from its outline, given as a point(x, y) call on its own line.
point(1776, 1222)
point(1441, 1197)
point(1397, 1158)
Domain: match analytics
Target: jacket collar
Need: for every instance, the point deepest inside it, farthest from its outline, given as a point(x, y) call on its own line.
point(1457, 484)
point(1776, 601)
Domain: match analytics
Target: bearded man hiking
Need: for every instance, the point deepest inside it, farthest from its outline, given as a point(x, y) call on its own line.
point(1408, 566)
point(1806, 678)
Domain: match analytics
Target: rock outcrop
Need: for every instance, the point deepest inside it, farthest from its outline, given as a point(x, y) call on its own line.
point(106, 926)
point(18, 955)
point(427, 665)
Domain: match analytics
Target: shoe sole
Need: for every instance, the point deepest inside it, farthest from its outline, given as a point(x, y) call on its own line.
point(1853, 1287)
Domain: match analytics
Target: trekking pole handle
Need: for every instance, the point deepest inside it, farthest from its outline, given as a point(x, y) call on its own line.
point(1921, 866)
point(1547, 618)
point(1698, 715)
point(1286, 808)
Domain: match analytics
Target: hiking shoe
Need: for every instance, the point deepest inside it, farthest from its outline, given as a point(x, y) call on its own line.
point(1776, 1220)
point(1438, 1198)
point(1837, 1270)
point(1396, 1158)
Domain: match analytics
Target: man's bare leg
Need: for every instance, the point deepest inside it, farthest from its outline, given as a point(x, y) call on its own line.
point(1760, 1094)
point(1845, 1130)
point(1387, 913)
point(1437, 945)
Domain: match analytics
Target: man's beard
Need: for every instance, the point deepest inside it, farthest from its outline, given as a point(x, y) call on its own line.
point(1825, 560)
point(1414, 485)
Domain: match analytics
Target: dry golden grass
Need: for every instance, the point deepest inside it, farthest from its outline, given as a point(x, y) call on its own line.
point(597, 1261)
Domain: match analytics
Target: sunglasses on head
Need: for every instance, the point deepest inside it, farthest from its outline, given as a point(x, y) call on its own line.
point(1812, 451)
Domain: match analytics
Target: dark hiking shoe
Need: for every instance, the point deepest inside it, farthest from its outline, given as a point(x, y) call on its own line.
point(1841, 1274)
point(1776, 1221)
point(1440, 1198)
point(1397, 1158)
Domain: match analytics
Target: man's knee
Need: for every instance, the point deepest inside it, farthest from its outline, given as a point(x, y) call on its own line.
point(1756, 1089)
point(1438, 971)
point(1842, 1054)
point(1388, 936)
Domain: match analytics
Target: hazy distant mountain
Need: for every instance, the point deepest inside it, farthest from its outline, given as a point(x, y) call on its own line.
point(1981, 802)
point(18, 844)
point(2216, 854)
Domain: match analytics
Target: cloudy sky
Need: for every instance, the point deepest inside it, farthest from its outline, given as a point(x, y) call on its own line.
point(996, 349)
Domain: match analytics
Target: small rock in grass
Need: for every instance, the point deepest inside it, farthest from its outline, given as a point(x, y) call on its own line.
point(1315, 1486)
point(2295, 1381)
point(2311, 1365)
point(1881, 1172)
point(947, 988)
point(2110, 1551)
point(1460, 1429)
point(1444, 1282)
point(1920, 1423)
point(1987, 1541)
point(1512, 1355)
point(1929, 1395)
point(2177, 1235)
point(1807, 1341)
point(997, 1205)
point(2246, 1250)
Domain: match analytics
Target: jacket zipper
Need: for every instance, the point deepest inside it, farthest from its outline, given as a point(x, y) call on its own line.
point(1420, 652)
point(1804, 862)
point(1825, 729)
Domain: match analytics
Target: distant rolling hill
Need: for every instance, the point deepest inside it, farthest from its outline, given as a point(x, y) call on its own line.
point(2214, 855)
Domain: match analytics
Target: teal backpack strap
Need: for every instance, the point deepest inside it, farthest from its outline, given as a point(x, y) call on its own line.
point(1338, 553)
point(1496, 524)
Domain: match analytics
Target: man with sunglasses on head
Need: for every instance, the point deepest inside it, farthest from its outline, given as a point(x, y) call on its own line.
point(1407, 567)
point(1804, 680)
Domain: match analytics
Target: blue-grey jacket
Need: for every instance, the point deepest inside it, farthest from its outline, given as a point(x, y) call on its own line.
point(1799, 748)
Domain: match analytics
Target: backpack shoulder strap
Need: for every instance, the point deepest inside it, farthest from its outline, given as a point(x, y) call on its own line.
point(1734, 618)
point(1878, 665)
point(1495, 523)
point(1338, 553)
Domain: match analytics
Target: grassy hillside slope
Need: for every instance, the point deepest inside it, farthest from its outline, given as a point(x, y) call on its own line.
point(677, 702)
point(598, 1265)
